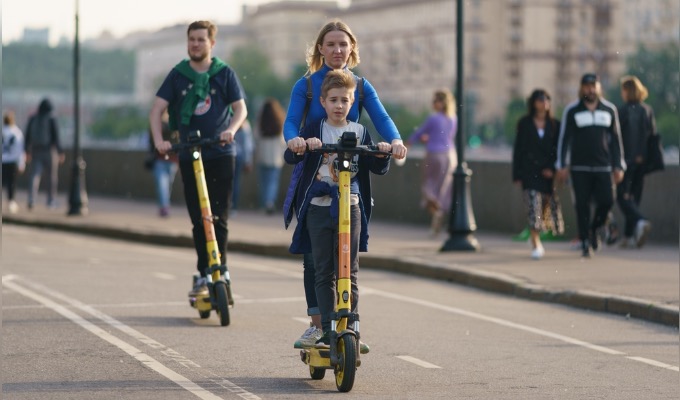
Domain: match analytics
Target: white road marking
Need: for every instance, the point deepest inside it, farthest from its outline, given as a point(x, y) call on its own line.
point(418, 362)
point(518, 326)
point(163, 275)
point(145, 359)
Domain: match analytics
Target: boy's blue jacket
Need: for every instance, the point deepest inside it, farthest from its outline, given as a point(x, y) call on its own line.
point(304, 186)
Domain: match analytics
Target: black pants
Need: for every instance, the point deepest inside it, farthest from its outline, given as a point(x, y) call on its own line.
point(9, 179)
point(219, 176)
point(591, 186)
point(628, 196)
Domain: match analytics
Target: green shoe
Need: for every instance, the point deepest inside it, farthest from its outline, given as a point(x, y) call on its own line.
point(522, 236)
point(363, 348)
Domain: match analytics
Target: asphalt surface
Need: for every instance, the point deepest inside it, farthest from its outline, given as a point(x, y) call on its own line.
point(633, 283)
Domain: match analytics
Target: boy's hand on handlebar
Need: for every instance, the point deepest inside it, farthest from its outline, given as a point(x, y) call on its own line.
point(163, 147)
point(385, 147)
point(398, 149)
point(314, 143)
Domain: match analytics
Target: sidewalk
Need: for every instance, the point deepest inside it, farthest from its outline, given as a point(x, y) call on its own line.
point(641, 283)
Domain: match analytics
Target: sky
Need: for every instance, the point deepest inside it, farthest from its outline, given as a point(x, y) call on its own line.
point(116, 16)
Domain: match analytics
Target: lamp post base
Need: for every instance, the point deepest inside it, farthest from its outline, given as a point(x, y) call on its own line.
point(78, 195)
point(461, 242)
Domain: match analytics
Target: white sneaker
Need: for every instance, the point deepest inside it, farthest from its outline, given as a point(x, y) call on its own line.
point(538, 253)
point(13, 207)
point(308, 338)
point(628, 243)
point(641, 231)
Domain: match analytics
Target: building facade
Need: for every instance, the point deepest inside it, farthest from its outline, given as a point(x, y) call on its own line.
point(408, 47)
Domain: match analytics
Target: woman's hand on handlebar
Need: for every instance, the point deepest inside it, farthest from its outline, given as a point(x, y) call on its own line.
point(398, 149)
point(227, 137)
point(297, 145)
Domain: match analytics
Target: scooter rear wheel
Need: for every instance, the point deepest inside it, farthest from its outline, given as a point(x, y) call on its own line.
point(346, 368)
point(317, 373)
point(222, 302)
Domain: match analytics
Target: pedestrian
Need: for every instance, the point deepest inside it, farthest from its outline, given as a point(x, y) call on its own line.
point(244, 161)
point(533, 168)
point(335, 47)
point(43, 153)
point(316, 195)
point(200, 93)
point(164, 167)
point(438, 133)
point(637, 125)
point(590, 134)
point(270, 146)
point(13, 158)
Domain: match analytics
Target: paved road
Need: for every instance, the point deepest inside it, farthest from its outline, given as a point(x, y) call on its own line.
point(642, 284)
point(92, 318)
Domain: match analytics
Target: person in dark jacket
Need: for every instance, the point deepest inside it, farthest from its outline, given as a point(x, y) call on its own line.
point(637, 125)
point(590, 133)
point(43, 153)
point(533, 167)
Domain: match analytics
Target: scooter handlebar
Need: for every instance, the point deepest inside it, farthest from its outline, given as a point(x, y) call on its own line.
point(203, 142)
point(359, 149)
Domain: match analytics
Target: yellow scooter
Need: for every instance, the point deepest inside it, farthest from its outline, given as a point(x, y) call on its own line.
point(219, 297)
point(343, 355)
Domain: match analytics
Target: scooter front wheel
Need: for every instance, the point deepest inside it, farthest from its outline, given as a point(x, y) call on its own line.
point(222, 302)
point(346, 368)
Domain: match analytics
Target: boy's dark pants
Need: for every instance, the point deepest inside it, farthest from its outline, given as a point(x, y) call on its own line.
point(323, 232)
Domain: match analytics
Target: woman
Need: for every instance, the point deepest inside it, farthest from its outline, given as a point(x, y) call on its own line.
point(335, 47)
point(637, 125)
point(438, 133)
point(533, 167)
point(13, 157)
point(270, 146)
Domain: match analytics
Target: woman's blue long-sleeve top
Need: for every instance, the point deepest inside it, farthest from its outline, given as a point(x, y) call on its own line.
point(300, 191)
point(371, 103)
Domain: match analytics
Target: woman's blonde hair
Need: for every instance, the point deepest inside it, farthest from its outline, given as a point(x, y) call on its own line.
point(445, 97)
point(314, 57)
point(633, 89)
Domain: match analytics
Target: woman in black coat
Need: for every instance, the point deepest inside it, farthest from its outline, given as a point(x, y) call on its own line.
point(533, 167)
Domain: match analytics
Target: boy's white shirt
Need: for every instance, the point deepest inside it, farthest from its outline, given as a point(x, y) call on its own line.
point(330, 135)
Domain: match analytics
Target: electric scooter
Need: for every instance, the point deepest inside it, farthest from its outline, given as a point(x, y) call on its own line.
point(219, 297)
point(343, 356)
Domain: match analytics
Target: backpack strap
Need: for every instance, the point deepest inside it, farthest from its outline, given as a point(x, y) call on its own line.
point(307, 103)
point(360, 86)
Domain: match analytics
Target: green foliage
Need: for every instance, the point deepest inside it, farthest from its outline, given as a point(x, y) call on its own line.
point(30, 66)
point(118, 122)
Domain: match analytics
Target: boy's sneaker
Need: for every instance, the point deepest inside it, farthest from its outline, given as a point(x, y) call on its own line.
point(324, 342)
point(363, 348)
point(308, 338)
point(200, 288)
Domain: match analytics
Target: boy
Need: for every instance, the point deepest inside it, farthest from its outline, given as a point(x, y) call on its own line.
point(315, 195)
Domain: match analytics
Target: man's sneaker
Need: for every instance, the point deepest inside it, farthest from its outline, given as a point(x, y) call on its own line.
point(641, 231)
point(200, 287)
point(308, 338)
point(324, 342)
point(628, 243)
point(585, 249)
point(595, 239)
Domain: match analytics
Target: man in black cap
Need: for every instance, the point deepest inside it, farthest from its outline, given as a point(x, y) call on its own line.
point(590, 133)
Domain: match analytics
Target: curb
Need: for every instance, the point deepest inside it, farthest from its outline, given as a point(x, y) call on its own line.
point(629, 307)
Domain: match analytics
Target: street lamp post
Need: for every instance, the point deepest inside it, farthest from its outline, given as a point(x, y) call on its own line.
point(461, 218)
point(77, 196)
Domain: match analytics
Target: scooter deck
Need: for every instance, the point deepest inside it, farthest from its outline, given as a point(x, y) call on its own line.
point(317, 358)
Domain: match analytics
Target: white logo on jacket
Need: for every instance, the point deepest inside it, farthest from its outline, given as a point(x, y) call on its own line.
point(596, 118)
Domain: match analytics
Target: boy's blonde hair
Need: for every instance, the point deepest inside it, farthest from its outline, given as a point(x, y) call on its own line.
point(338, 79)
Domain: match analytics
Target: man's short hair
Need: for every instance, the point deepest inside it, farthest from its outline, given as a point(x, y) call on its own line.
point(196, 25)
